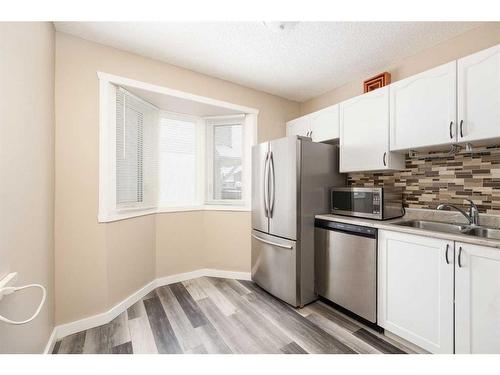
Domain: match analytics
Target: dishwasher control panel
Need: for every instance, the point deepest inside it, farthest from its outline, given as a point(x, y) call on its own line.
point(334, 225)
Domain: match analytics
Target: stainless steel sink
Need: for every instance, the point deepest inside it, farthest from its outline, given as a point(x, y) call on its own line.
point(434, 226)
point(483, 232)
point(454, 228)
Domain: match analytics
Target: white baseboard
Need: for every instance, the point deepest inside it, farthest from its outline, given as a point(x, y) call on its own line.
point(51, 342)
point(227, 274)
point(166, 280)
point(105, 317)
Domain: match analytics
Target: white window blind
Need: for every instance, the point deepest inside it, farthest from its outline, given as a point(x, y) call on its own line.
point(135, 152)
point(178, 162)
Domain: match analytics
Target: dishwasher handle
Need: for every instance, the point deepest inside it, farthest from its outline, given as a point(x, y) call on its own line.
point(357, 230)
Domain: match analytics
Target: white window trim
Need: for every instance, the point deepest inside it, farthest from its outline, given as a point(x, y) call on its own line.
point(246, 159)
point(107, 211)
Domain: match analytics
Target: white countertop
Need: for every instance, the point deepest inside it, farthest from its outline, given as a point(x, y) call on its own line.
point(414, 215)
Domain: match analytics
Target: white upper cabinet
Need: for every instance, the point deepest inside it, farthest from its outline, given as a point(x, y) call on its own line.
point(455, 102)
point(423, 109)
point(479, 96)
point(325, 124)
point(320, 126)
point(299, 126)
point(477, 299)
point(364, 133)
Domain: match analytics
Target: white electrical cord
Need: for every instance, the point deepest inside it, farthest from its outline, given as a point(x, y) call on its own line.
point(12, 289)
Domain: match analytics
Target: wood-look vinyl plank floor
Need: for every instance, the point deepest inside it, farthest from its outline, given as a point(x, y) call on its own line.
point(222, 316)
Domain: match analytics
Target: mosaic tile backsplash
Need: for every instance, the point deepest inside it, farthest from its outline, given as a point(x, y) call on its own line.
point(432, 180)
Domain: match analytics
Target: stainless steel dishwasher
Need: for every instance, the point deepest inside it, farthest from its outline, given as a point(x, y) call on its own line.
point(346, 266)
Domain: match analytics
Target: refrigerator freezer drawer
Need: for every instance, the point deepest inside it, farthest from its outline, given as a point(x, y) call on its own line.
point(274, 266)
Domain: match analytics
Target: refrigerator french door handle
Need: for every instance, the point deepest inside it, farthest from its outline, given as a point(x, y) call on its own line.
point(273, 189)
point(272, 243)
point(266, 185)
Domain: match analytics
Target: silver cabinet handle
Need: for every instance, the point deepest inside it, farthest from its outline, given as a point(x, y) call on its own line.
point(461, 128)
point(383, 159)
point(272, 243)
point(451, 130)
point(266, 185)
point(446, 253)
point(460, 257)
point(273, 190)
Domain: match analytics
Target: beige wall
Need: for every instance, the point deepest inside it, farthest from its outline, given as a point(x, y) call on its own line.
point(131, 255)
point(27, 179)
point(202, 239)
point(97, 265)
point(460, 46)
point(180, 242)
point(227, 236)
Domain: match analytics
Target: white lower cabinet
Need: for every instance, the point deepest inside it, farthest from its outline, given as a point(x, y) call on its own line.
point(415, 289)
point(477, 299)
point(441, 295)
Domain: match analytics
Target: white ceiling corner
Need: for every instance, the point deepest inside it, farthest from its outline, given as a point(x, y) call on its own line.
point(299, 63)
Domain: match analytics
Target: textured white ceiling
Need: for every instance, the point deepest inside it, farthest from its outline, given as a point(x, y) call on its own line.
point(299, 63)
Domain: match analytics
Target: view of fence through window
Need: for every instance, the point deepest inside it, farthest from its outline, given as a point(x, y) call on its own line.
point(228, 152)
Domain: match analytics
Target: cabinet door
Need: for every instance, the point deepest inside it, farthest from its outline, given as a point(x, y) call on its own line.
point(325, 124)
point(364, 133)
point(300, 126)
point(477, 299)
point(479, 96)
point(415, 289)
point(423, 109)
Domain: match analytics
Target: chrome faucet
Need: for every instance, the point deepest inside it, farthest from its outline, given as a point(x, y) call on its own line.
point(472, 216)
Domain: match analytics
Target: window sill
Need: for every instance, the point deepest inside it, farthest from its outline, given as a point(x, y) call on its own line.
point(226, 207)
point(117, 216)
point(207, 207)
point(138, 213)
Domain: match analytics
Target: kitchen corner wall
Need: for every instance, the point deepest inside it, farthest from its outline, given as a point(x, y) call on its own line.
point(98, 265)
point(27, 175)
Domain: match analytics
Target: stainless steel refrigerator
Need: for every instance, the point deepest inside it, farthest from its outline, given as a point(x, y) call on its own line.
point(291, 178)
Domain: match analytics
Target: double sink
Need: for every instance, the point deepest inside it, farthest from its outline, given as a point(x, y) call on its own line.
point(453, 228)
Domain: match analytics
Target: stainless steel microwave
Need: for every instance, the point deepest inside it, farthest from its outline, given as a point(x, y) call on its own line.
point(371, 203)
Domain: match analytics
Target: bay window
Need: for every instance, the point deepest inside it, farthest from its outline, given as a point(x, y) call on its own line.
point(155, 160)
